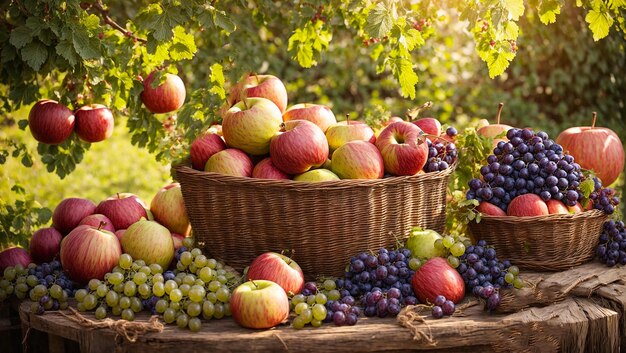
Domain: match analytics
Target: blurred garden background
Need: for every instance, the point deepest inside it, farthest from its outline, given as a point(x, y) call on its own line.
point(559, 76)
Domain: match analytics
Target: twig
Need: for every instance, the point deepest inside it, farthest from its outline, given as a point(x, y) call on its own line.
point(108, 20)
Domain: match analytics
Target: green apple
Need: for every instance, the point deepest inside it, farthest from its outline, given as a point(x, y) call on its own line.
point(421, 242)
point(259, 304)
point(149, 241)
point(316, 175)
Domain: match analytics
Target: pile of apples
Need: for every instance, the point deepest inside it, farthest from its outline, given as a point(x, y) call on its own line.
point(89, 239)
point(261, 138)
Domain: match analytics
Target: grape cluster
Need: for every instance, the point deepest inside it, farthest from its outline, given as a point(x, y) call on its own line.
point(612, 247)
point(455, 246)
point(309, 307)
point(441, 154)
point(528, 163)
point(381, 282)
point(484, 274)
point(603, 199)
point(442, 306)
point(46, 285)
point(199, 287)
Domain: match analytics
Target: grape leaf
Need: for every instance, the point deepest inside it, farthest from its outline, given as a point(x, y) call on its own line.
point(224, 22)
point(498, 62)
point(85, 46)
point(217, 79)
point(184, 46)
point(587, 187)
point(35, 54)
point(511, 30)
point(21, 36)
point(379, 21)
point(599, 23)
point(548, 9)
point(402, 69)
point(66, 50)
point(515, 8)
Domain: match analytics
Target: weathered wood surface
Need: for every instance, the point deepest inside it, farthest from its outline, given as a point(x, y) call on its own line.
point(585, 315)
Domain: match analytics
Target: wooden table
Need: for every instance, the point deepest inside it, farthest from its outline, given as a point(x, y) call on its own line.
point(579, 310)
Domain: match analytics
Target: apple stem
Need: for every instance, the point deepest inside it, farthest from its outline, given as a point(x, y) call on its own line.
point(102, 224)
point(255, 285)
point(245, 104)
point(347, 118)
point(500, 106)
point(593, 120)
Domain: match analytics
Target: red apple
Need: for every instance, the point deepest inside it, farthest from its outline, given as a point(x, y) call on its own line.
point(346, 131)
point(265, 169)
point(95, 219)
point(556, 207)
point(177, 239)
point(318, 114)
point(490, 209)
point(122, 209)
point(45, 245)
point(250, 125)
point(527, 205)
point(50, 122)
point(89, 252)
point(165, 98)
point(263, 86)
point(358, 160)
point(149, 241)
point(437, 277)
point(595, 148)
point(430, 126)
point(230, 161)
point(168, 208)
point(496, 129)
point(259, 304)
point(298, 146)
point(576, 208)
point(94, 123)
point(203, 147)
point(316, 175)
point(69, 212)
point(403, 148)
point(119, 234)
point(14, 256)
point(277, 268)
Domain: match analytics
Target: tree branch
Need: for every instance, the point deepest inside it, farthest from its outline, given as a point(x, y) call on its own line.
point(108, 20)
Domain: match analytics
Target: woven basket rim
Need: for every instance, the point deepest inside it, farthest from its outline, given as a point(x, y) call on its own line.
point(327, 184)
point(546, 218)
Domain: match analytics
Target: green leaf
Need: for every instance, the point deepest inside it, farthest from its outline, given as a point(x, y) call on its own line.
point(498, 62)
point(27, 161)
point(36, 25)
point(35, 54)
point(515, 8)
point(85, 46)
point(402, 69)
point(65, 49)
point(599, 23)
point(217, 79)
point(91, 22)
point(511, 31)
point(224, 22)
point(587, 187)
point(184, 46)
point(379, 21)
point(21, 36)
point(162, 29)
point(22, 124)
point(548, 9)
point(44, 215)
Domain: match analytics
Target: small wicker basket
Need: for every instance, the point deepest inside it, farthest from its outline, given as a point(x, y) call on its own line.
point(321, 225)
point(543, 243)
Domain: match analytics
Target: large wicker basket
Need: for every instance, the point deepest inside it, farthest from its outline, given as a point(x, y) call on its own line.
point(543, 243)
point(320, 225)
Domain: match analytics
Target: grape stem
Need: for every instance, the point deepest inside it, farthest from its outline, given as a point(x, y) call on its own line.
point(500, 106)
point(593, 120)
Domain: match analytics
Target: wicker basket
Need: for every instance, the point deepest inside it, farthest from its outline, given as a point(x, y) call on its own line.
point(543, 243)
point(324, 224)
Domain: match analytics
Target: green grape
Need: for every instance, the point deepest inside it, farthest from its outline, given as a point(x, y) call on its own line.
point(180, 267)
point(41, 290)
point(447, 241)
point(160, 306)
point(93, 284)
point(9, 289)
point(101, 313)
point(135, 304)
point(207, 309)
point(199, 282)
point(90, 301)
point(79, 295)
point(189, 279)
point(195, 324)
point(214, 286)
point(514, 270)
point(115, 278)
point(130, 288)
point(319, 312)
point(306, 315)
point(298, 323)
point(219, 311)
point(4, 283)
point(23, 289)
point(144, 290)
point(298, 298)
point(509, 277)
point(63, 305)
point(101, 291)
point(112, 298)
point(467, 242)
point(227, 310)
point(188, 242)
point(145, 270)
point(210, 296)
point(156, 269)
point(174, 306)
point(117, 269)
point(220, 266)
point(158, 289)
point(186, 258)
point(20, 280)
point(518, 283)
point(184, 288)
point(457, 249)
point(19, 294)
point(128, 315)
point(126, 261)
point(206, 274)
point(197, 293)
point(157, 278)
point(169, 315)
point(300, 307)
point(212, 264)
point(334, 294)
point(176, 295)
point(223, 294)
point(316, 323)
point(64, 296)
point(415, 263)
point(182, 320)
point(140, 278)
point(310, 299)
point(178, 280)
point(170, 285)
point(196, 252)
point(194, 309)
point(453, 261)
point(116, 310)
point(439, 244)
point(200, 261)
point(3, 295)
point(222, 279)
point(119, 288)
point(124, 302)
point(34, 307)
point(48, 305)
point(9, 273)
point(31, 280)
point(80, 307)
point(193, 268)
point(329, 284)
point(56, 291)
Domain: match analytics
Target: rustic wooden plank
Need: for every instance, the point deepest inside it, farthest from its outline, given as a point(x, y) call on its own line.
point(56, 344)
point(613, 296)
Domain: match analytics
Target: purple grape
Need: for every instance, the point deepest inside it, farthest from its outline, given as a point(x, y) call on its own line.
point(351, 319)
point(439, 300)
point(339, 318)
point(448, 307)
point(437, 312)
point(493, 301)
point(370, 311)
